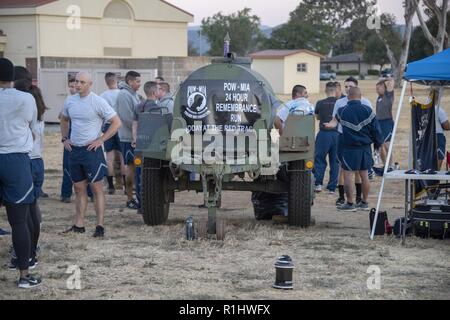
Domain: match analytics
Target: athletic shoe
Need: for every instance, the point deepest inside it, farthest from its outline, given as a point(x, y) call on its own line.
point(331, 191)
point(133, 205)
point(340, 202)
point(318, 189)
point(358, 201)
point(4, 233)
point(99, 232)
point(111, 191)
point(378, 171)
point(347, 207)
point(33, 263)
point(29, 282)
point(66, 200)
point(362, 206)
point(75, 229)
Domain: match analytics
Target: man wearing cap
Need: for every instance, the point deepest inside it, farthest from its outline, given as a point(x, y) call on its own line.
point(18, 118)
point(86, 112)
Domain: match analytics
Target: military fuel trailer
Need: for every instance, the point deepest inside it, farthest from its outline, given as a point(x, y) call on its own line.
point(221, 137)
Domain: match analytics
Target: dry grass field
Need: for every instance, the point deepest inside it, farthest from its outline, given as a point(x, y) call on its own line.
point(139, 262)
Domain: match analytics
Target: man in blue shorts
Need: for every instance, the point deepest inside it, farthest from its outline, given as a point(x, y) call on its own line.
point(18, 118)
point(86, 113)
point(127, 101)
point(385, 102)
point(112, 146)
point(67, 184)
point(349, 83)
point(360, 129)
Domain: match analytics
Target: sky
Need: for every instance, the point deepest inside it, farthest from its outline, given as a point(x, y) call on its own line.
point(271, 12)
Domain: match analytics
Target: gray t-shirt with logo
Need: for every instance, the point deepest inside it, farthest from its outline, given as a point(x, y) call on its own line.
point(87, 116)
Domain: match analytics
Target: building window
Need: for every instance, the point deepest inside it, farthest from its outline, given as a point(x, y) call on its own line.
point(302, 67)
point(118, 10)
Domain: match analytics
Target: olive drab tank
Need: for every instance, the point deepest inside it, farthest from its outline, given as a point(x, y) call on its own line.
point(221, 137)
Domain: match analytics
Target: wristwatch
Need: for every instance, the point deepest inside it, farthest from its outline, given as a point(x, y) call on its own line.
point(64, 139)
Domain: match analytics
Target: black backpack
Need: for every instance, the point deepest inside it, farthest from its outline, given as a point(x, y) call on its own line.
point(398, 227)
point(382, 222)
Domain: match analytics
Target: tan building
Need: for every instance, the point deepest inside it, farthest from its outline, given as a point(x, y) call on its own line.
point(55, 39)
point(286, 68)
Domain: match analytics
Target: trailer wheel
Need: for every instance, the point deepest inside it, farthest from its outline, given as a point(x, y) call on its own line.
point(155, 193)
point(300, 195)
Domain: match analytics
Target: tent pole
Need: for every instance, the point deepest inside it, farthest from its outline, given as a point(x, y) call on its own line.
point(388, 160)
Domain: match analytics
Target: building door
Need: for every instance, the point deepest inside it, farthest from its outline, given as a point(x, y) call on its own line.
point(53, 84)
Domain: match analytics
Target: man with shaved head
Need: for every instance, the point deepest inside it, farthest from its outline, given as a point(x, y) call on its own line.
point(87, 112)
point(342, 102)
point(360, 129)
point(299, 105)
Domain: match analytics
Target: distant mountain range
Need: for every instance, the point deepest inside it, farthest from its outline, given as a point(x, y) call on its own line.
point(201, 44)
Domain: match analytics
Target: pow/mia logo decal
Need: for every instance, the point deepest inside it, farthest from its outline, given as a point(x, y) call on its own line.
point(197, 103)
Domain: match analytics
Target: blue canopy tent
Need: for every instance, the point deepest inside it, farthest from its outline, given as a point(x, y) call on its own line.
point(433, 71)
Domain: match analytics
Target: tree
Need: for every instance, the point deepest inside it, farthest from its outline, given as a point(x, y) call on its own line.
point(302, 32)
point(385, 33)
point(375, 52)
point(316, 24)
point(244, 30)
point(420, 46)
point(353, 38)
point(440, 12)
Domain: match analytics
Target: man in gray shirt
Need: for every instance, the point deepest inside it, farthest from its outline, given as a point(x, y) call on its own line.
point(385, 102)
point(127, 101)
point(165, 98)
point(18, 119)
point(112, 146)
point(86, 113)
